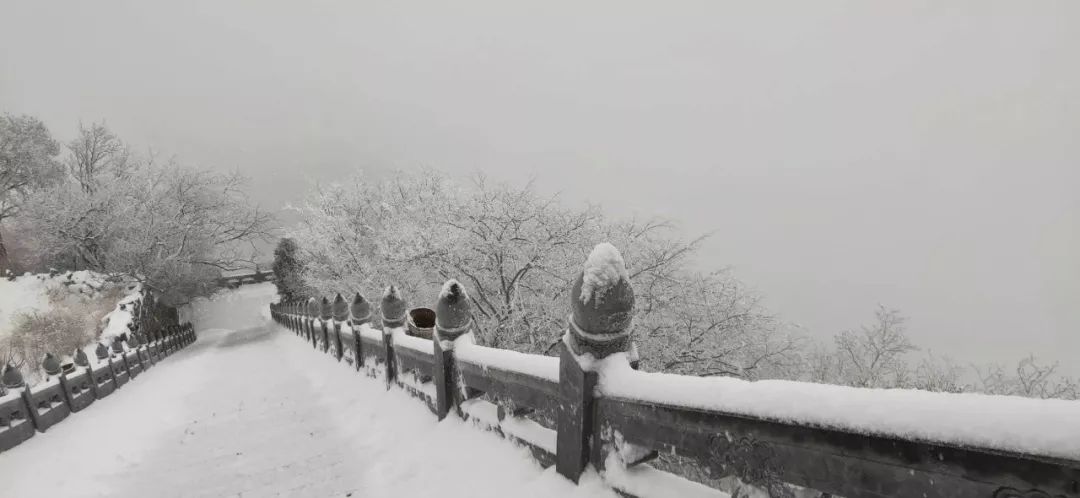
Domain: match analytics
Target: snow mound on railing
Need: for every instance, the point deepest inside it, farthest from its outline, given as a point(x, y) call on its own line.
point(544, 367)
point(1044, 427)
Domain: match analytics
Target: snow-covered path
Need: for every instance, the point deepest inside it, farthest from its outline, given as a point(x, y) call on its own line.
point(250, 410)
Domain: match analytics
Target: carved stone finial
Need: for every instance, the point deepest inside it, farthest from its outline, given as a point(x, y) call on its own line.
point(340, 308)
point(312, 310)
point(12, 378)
point(80, 358)
point(602, 305)
point(392, 308)
point(101, 351)
point(453, 312)
point(326, 310)
point(118, 345)
point(360, 310)
point(50, 364)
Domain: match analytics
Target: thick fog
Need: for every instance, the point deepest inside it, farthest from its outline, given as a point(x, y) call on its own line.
point(923, 155)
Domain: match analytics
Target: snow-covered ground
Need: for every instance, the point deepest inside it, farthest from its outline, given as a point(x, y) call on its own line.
point(28, 293)
point(251, 410)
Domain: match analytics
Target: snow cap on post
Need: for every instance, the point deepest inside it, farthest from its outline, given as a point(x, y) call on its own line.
point(312, 310)
point(341, 308)
point(602, 304)
point(392, 308)
point(326, 310)
point(360, 310)
point(50, 364)
point(453, 313)
point(12, 378)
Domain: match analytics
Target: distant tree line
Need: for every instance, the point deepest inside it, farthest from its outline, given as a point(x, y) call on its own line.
point(92, 203)
point(517, 253)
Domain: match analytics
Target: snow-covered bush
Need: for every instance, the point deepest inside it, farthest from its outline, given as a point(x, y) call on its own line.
point(288, 269)
point(71, 319)
point(55, 331)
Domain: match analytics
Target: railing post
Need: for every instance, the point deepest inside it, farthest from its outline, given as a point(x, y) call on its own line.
point(326, 312)
point(311, 312)
point(135, 344)
point(602, 307)
point(298, 318)
point(13, 379)
point(453, 319)
point(286, 315)
point(81, 360)
point(393, 316)
point(360, 311)
point(341, 313)
point(297, 325)
point(102, 354)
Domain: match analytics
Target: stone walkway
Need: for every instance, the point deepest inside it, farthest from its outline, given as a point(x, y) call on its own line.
point(255, 411)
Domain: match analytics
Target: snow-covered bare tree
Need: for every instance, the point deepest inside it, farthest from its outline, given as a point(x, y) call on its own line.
point(712, 324)
point(517, 253)
point(170, 227)
point(939, 373)
point(874, 356)
point(1028, 378)
point(96, 155)
point(27, 162)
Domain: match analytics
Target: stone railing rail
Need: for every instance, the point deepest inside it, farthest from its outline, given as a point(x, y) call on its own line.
point(71, 387)
point(564, 410)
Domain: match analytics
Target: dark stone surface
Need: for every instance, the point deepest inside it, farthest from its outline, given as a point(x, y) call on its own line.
point(47, 407)
point(443, 377)
point(575, 421)
point(15, 423)
point(836, 462)
point(79, 390)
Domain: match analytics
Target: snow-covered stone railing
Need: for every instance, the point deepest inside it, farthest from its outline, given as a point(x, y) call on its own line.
point(70, 387)
point(591, 407)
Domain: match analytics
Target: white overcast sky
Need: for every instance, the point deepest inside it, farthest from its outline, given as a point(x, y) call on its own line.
point(920, 154)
